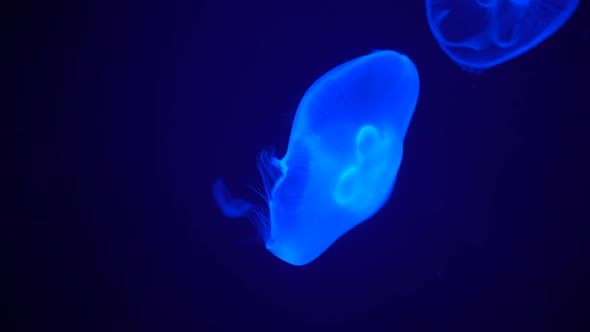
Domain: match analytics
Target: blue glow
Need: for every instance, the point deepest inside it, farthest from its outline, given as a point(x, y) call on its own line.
point(231, 207)
point(478, 34)
point(344, 153)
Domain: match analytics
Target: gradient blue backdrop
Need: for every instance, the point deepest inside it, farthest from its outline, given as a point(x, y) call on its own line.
point(117, 117)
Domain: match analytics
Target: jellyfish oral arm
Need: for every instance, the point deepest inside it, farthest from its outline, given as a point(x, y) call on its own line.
point(230, 207)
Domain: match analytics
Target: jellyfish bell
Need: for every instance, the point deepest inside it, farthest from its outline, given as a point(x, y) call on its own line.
point(479, 34)
point(343, 156)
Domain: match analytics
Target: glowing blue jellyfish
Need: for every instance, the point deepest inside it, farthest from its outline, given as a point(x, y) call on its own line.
point(478, 34)
point(342, 160)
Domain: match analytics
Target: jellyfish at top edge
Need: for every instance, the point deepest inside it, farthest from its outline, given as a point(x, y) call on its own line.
point(479, 34)
point(342, 160)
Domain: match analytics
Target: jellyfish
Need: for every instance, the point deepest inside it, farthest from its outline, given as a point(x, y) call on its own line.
point(342, 160)
point(479, 34)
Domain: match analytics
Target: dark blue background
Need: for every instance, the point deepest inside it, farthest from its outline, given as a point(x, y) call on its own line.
point(118, 116)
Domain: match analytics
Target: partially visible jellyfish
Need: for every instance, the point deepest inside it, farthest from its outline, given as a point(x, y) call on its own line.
point(342, 160)
point(479, 34)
